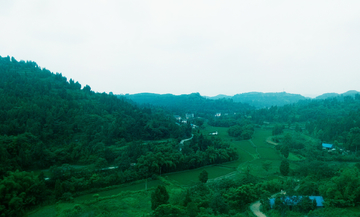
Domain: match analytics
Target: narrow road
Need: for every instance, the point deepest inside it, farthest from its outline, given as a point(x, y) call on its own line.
point(255, 208)
point(185, 140)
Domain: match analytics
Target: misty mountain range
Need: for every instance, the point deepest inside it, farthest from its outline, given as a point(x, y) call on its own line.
point(256, 99)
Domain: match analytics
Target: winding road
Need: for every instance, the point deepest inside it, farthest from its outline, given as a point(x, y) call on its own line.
point(255, 208)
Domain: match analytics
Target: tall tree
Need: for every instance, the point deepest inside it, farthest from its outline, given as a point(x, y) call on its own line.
point(284, 167)
point(203, 177)
point(159, 196)
point(285, 151)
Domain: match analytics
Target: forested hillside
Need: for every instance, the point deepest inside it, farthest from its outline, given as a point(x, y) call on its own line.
point(330, 120)
point(190, 103)
point(351, 93)
point(264, 100)
point(48, 120)
point(78, 140)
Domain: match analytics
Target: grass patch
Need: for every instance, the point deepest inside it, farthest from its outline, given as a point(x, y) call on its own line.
point(246, 146)
point(269, 154)
point(190, 177)
point(259, 137)
point(294, 157)
point(136, 186)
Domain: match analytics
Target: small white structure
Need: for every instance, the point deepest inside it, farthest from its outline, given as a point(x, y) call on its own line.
point(189, 115)
point(213, 133)
point(177, 117)
point(218, 114)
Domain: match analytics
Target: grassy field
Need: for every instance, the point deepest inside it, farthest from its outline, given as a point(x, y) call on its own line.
point(140, 185)
point(127, 203)
point(294, 157)
point(190, 177)
point(259, 137)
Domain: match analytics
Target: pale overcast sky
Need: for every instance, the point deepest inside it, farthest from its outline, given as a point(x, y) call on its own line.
point(180, 47)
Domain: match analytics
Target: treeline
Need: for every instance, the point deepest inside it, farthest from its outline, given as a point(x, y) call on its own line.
point(190, 103)
point(332, 120)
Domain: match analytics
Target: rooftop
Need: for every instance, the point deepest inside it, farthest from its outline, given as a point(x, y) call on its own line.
point(294, 200)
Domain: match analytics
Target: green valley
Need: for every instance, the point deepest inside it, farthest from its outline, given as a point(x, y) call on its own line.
point(66, 150)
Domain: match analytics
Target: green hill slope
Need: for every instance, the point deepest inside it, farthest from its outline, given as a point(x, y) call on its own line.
point(46, 119)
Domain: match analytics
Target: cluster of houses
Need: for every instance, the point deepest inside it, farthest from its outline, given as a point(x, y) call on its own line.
point(188, 116)
point(332, 148)
point(185, 120)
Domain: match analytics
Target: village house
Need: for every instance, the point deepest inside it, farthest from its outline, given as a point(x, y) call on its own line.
point(327, 146)
point(189, 115)
point(213, 133)
point(177, 117)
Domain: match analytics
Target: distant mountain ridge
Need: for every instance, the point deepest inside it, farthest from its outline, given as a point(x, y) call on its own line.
point(264, 100)
point(332, 95)
point(255, 99)
point(191, 103)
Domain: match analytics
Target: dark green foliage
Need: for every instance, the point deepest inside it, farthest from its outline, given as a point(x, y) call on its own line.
point(280, 205)
point(58, 189)
point(343, 190)
point(187, 199)
point(278, 129)
point(218, 204)
point(284, 167)
point(306, 205)
point(192, 209)
point(285, 151)
point(316, 169)
point(241, 132)
point(165, 210)
point(309, 187)
point(158, 197)
point(203, 177)
point(20, 191)
point(239, 198)
point(353, 141)
point(44, 118)
point(331, 211)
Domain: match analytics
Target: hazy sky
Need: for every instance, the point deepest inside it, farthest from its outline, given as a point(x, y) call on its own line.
point(180, 47)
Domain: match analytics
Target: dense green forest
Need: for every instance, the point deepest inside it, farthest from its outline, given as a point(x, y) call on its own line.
point(47, 120)
point(334, 120)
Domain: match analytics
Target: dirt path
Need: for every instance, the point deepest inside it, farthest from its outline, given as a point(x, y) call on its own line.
point(255, 208)
point(268, 140)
